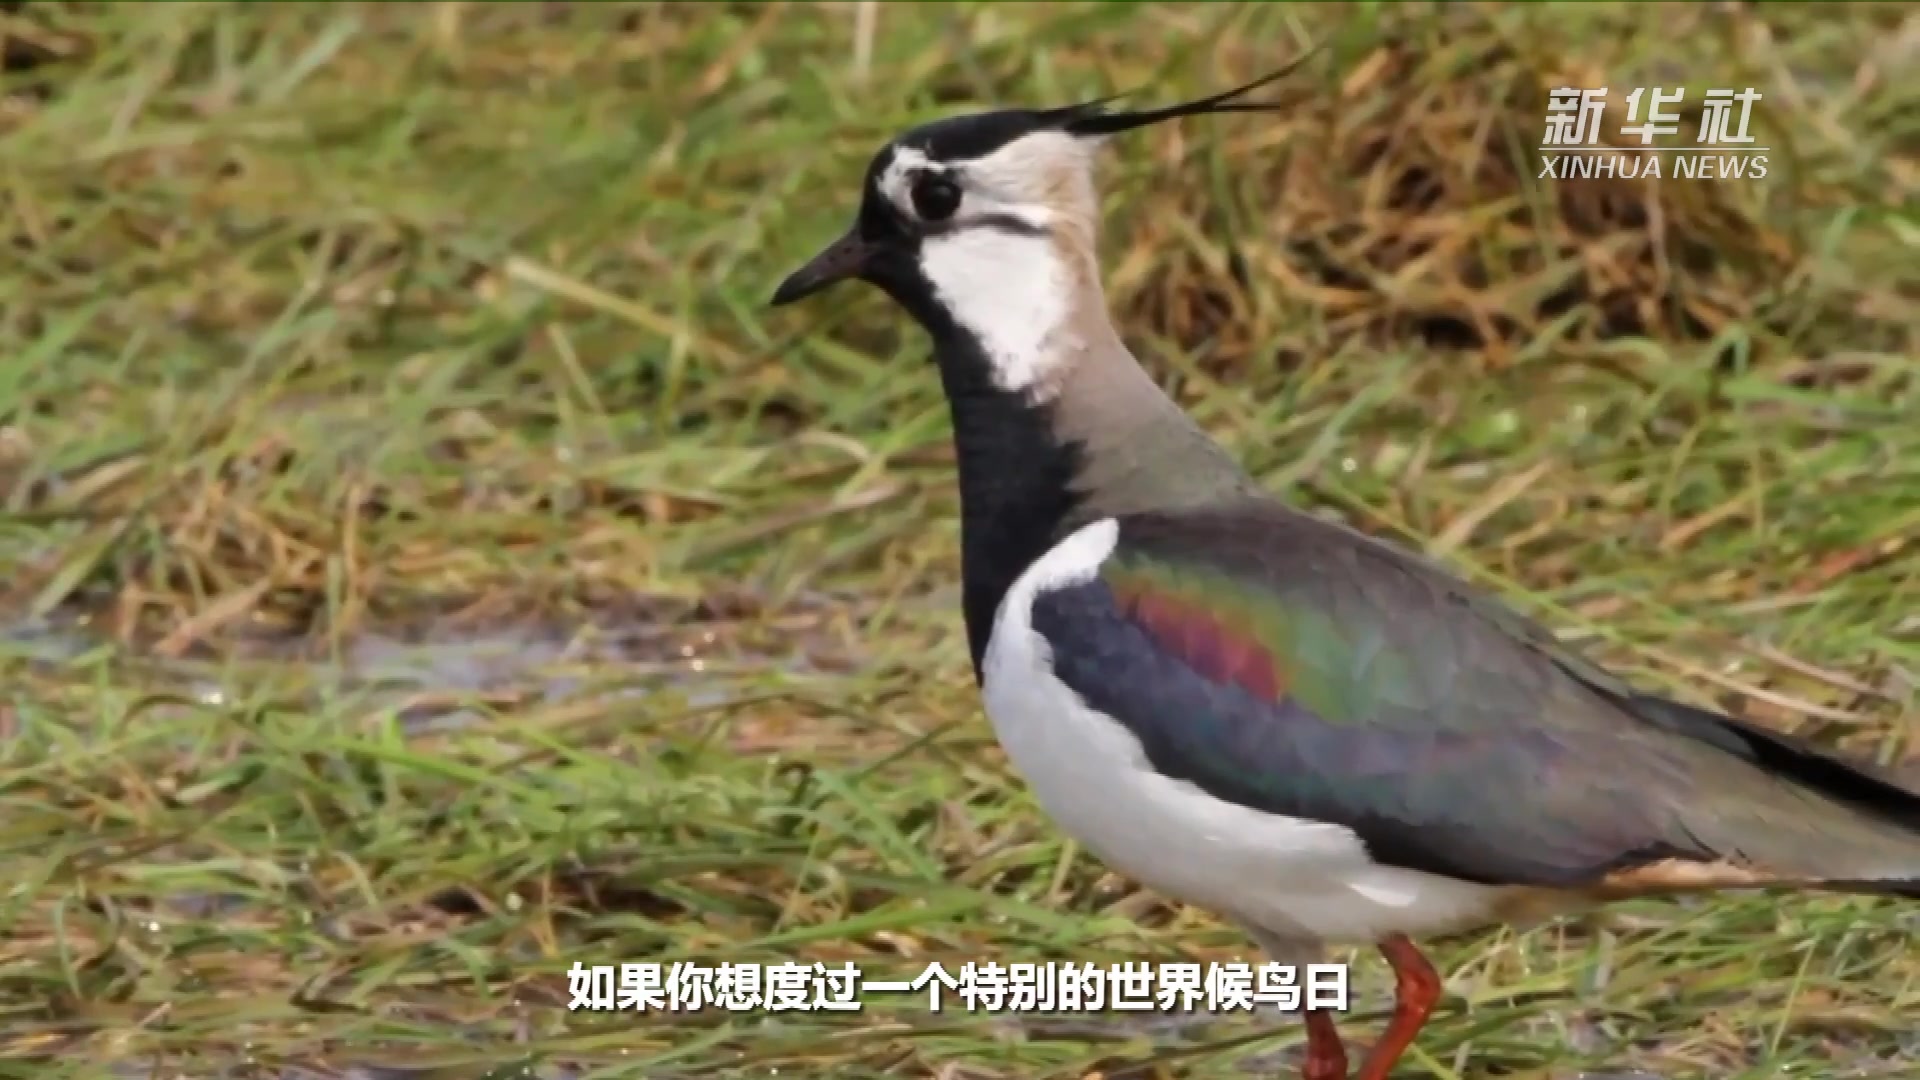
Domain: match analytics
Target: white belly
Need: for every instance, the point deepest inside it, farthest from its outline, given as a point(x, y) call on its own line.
point(1293, 877)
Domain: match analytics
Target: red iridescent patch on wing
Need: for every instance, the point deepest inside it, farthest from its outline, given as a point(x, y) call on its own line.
point(1208, 638)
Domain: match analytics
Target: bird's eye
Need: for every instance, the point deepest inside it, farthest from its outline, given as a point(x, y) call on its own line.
point(935, 198)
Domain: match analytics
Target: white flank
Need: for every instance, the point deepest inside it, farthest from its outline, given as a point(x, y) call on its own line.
point(1295, 879)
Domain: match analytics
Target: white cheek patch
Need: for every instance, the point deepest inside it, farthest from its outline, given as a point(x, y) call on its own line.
point(1011, 288)
point(1013, 292)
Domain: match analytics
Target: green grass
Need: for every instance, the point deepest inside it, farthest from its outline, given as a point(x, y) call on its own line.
point(325, 329)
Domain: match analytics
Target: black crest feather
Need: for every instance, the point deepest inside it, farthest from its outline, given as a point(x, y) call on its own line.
point(1092, 118)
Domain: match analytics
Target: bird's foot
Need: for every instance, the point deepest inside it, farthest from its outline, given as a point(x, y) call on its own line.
point(1416, 989)
point(1326, 1057)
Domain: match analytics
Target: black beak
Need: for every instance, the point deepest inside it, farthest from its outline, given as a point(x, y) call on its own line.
point(844, 258)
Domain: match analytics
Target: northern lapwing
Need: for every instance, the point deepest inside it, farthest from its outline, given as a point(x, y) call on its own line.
point(1317, 735)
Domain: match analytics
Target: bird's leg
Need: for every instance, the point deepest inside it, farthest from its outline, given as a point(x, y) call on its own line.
point(1416, 986)
point(1326, 1056)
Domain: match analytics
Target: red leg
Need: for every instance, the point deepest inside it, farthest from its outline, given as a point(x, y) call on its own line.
point(1326, 1057)
point(1416, 986)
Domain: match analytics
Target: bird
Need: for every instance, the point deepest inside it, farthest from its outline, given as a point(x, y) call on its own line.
point(1320, 736)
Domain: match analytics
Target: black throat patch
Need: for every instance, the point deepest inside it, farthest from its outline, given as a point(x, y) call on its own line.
point(1016, 479)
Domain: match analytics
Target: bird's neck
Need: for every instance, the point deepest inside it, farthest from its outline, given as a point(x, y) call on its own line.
point(1103, 440)
point(1016, 483)
point(1143, 452)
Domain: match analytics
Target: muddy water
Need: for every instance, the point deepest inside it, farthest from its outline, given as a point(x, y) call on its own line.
point(551, 662)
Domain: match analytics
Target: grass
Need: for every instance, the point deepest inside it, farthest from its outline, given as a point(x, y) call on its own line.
point(430, 564)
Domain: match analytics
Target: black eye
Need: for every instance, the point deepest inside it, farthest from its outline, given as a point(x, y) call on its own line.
point(935, 197)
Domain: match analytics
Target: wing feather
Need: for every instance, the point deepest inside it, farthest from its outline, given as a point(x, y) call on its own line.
point(1285, 664)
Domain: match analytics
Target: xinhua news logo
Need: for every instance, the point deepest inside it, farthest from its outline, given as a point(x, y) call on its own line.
point(1722, 149)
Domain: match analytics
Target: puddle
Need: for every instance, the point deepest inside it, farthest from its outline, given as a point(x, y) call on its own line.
point(43, 641)
point(426, 675)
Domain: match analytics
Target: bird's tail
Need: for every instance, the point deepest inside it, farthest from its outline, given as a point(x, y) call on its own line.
point(1858, 830)
point(1908, 888)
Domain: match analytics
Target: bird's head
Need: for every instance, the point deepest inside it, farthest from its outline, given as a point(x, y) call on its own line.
point(983, 221)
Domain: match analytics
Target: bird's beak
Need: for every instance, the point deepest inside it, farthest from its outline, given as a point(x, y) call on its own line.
point(842, 259)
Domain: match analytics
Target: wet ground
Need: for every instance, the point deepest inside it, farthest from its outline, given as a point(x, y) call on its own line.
point(428, 678)
point(423, 672)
